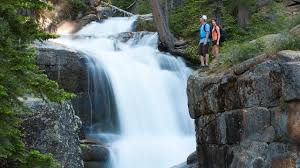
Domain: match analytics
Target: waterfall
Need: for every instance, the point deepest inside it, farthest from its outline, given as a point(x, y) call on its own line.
point(146, 90)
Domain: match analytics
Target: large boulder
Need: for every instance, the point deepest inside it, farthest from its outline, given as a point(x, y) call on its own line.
point(64, 65)
point(272, 42)
point(94, 152)
point(95, 156)
point(296, 30)
point(53, 128)
point(248, 116)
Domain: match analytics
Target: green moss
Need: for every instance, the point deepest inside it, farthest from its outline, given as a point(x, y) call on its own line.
point(146, 25)
point(84, 147)
point(35, 159)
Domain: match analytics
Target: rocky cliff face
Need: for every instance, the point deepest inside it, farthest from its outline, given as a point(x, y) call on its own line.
point(250, 115)
point(53, 128)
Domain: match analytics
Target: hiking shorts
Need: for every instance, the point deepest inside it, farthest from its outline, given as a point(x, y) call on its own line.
point(203, 49)
point(214, 42)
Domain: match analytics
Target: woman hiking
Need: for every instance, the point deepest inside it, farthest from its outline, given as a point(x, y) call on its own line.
point(216, 36)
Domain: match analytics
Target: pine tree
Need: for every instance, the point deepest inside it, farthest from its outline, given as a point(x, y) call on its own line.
point(19, 76)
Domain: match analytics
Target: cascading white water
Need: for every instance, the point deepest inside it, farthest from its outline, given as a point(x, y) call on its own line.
point(150, 92)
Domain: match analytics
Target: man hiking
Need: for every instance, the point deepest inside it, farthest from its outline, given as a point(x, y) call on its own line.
point(204, 41)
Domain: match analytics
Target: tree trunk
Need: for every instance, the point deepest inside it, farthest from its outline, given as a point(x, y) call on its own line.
point(165, 36)
point(243, 15)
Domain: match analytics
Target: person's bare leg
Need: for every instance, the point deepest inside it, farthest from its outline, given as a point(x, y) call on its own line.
point(202, 60)
point(206, 59)
point(214, 51)
point(217, 52)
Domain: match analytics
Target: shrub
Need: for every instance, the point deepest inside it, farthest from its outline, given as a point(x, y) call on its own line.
point(270, 44)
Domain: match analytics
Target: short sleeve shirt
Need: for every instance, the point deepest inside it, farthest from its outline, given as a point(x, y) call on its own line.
point(205, 26)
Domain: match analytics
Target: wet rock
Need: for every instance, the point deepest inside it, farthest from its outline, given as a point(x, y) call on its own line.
point(104, 12)
point(76, 73)
point(185, 165)
point(94, 164)
point(85, 20)
point(94, 153)
point(125, 36)
point(192, 158)
point(65, 66)
point(53, 128)
point(134, 36)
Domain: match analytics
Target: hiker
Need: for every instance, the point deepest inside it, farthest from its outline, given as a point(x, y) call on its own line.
point(216, 36)
point(204, 41)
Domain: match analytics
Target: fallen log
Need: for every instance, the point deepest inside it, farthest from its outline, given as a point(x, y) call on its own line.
point(114, 8)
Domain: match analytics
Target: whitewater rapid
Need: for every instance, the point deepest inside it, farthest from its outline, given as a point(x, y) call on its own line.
point(149, 90)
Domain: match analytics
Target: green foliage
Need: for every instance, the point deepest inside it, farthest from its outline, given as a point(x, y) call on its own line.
point(35, 159)
point(270, 44)
point(121, 3)
point(188, 17)
point(146, 25)
point(19, 76)
point(73, 7)
point(270, 19)
point(143, 7)
point(236, 53)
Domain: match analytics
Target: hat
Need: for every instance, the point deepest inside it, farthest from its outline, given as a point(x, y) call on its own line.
point(204, 17)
